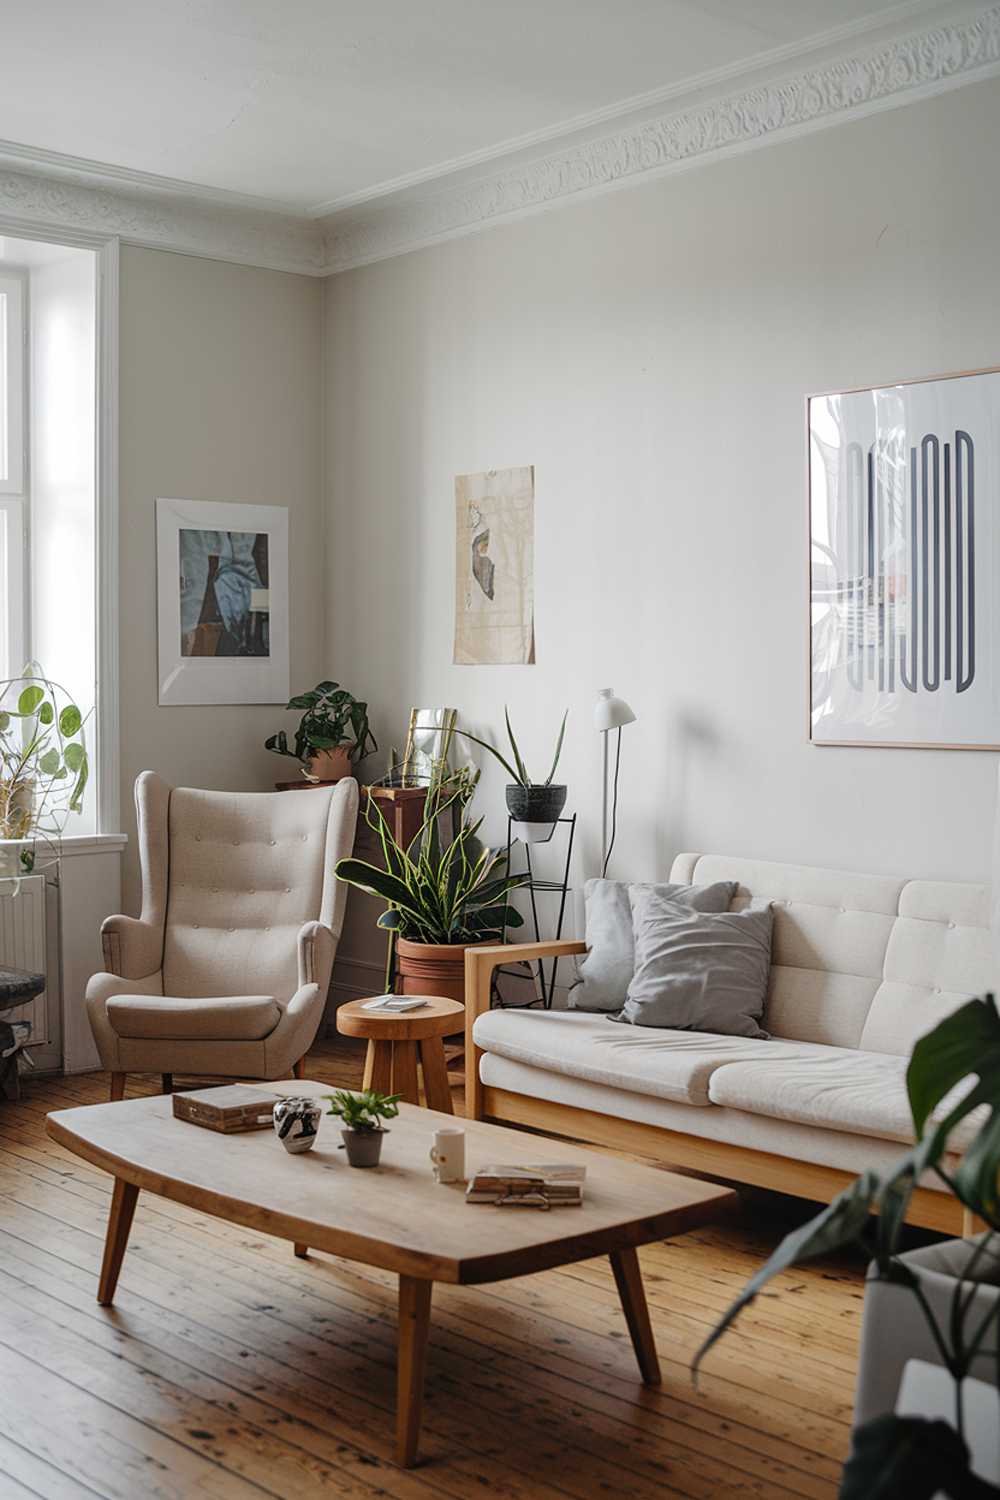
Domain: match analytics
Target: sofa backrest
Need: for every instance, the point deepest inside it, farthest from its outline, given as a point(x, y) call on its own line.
point(869, 961)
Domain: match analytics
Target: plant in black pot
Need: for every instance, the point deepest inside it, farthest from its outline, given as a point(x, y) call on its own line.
point(362, 1115)
point(333, 733)
point(933, 1320)
point(533, 805)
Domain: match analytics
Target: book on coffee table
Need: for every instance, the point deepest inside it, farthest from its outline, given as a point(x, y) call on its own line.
point(229, 1109)
point(537, 1185)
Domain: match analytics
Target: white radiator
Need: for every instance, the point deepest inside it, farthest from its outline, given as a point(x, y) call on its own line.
point(22, 945)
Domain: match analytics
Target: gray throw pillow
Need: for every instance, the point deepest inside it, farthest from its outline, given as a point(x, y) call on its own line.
point(699, 971)
point(603, 976)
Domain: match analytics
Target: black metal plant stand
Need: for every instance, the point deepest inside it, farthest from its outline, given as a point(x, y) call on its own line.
point(545, 983)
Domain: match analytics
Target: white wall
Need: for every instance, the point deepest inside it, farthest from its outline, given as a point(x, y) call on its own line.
point(220, 400)
point(62, 313)
point(649, 352)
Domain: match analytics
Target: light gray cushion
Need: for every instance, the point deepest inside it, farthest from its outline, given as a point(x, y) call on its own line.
point(603, 977)
point(698, 971)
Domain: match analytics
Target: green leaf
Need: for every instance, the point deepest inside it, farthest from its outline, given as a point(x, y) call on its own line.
point(839, 1225)
point(559, 745)
point(4, 721)
point(977, 1176)
point(70, 720)
point(76, 799)
point(49, 763)
point(907, 1458)
point(523, 776)
point(967, 1041)
point(390, 921)
point(74, 755)
point(46, 713)
point(373, 880)
point(30, 699)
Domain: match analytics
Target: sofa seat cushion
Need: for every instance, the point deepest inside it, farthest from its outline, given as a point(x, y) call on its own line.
point(834, 1088)
point(668, 1064)
point(223, 1018)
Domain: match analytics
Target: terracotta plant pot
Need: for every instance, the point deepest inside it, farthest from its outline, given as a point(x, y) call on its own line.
point(432, 968)
point(330, 765)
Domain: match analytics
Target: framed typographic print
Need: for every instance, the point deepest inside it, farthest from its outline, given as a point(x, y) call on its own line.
point(904, 537)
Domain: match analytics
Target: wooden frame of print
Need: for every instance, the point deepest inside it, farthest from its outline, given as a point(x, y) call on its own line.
point(222, 602)
point(904, 563)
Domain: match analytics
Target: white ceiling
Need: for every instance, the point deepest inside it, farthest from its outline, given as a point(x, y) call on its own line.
point(313, 104)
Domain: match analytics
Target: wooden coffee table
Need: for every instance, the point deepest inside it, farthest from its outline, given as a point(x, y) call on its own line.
point(394, 1216)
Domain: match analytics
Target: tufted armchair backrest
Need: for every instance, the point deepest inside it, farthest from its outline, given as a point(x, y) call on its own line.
point(244, 872)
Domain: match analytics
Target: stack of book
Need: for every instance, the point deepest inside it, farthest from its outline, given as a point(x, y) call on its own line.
point(542, 1185)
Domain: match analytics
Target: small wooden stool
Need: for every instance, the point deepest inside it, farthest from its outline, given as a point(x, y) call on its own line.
point(393, 1040)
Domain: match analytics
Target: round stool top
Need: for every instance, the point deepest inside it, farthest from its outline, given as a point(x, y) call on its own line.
point(439, 1017)
point(17, 986)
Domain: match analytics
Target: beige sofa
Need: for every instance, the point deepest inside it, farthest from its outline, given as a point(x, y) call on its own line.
point(862, 965)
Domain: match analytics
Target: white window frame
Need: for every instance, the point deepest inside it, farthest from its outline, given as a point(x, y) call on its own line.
point(13, 601)
point(13, 478)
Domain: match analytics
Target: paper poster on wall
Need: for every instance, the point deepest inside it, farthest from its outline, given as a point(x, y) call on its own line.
point(494, 567)
point(222, 587)
point(905, 564)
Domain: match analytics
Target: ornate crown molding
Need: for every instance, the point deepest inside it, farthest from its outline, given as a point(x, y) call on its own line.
point(66, 197)
point(880, 77)
point(161, 220)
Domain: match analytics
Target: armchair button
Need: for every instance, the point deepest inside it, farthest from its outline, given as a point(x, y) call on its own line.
point(273, 843)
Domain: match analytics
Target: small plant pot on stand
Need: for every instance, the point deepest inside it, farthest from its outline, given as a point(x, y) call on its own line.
point(363, 1147)
point(534, 811)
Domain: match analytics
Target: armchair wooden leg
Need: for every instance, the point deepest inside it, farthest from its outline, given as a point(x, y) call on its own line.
point(299, 1068)
point(301, 1250)
point(117, 1086)
point(166, 1083)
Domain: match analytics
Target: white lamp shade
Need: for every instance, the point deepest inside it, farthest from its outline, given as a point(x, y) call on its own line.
point(611, 712)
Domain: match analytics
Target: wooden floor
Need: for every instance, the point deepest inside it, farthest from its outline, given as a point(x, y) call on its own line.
point(229, 1368)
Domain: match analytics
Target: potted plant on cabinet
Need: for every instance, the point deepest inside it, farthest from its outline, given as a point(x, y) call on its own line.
point(954, 1292)
point(534, 806)
point(363, 1130)
point(333, 733)
point(43, 765)
point(443, 895)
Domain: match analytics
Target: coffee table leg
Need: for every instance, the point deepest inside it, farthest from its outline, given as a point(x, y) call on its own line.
point(123, 1201)
point(628, 1277)
point(414, 1326)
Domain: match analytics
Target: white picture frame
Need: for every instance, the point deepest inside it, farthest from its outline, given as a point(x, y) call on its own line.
point(222, 602)
point(904, 564)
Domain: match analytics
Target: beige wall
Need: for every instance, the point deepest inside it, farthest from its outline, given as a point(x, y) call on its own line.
point(220, 400)
point(649, 352)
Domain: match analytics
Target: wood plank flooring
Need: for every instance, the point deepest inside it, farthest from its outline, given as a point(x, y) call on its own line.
point(228, 1368)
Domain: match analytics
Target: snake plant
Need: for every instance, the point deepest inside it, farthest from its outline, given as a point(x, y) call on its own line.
point(438, 890)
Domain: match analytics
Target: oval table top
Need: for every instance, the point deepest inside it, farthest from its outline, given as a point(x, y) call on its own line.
point(393, 1215)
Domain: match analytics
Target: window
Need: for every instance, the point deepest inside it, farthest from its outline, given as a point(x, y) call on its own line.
point(13, 476)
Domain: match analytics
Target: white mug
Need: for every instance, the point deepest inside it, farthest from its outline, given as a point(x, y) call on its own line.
point(448, 1154)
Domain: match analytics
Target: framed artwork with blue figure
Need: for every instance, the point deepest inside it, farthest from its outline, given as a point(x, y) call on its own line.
point(222, 602)
point(904, 540)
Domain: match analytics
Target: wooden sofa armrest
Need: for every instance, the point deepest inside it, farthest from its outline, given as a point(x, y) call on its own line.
point(479, 966)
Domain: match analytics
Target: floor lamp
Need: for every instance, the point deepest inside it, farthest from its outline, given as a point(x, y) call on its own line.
point(610, 713)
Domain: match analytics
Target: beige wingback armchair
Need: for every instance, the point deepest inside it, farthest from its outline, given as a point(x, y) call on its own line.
point(226, 971)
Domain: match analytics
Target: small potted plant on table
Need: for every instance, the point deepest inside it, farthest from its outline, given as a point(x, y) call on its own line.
point(362, 1115)
point(333, 733)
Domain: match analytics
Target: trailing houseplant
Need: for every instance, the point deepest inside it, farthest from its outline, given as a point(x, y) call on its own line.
point(534, 805)
point(898, 1456)
point(442, 894)
point(362, 1115)
point(43, 764)
point(333, 733)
